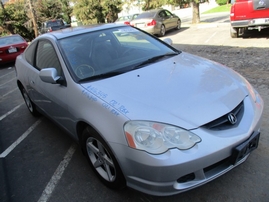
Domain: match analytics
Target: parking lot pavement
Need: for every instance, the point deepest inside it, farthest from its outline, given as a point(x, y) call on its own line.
point(47, 166)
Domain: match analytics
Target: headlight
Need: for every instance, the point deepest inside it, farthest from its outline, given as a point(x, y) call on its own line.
point(157, 138)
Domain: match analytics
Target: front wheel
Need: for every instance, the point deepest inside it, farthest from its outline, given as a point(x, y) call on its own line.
point(30, 105)
point(178, 25)
point(102, 160)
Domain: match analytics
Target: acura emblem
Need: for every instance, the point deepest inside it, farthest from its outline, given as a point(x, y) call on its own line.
point(232, 118)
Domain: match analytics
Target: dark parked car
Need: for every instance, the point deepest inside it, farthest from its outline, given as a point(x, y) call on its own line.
point(11, 47)
point(156, 21)
point(53, 25)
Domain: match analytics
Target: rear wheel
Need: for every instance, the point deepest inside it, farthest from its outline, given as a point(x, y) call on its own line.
point(30, 105)
point(162, 30)
point(234, 32)
point(102, 160)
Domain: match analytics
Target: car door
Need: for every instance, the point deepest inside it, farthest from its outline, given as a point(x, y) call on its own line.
point(165, 19)
point(51, 98)
point(171, 19)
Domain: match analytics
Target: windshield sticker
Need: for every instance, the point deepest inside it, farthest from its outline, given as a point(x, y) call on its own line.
point(97, 92)
point(113, 106)
point(118, 106)
point(89, 96)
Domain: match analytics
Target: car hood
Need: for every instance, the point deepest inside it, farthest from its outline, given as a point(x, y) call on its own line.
point(184, 90)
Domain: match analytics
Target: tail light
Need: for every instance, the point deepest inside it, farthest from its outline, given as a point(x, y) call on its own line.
point(232, 13)
point(151, 23)
point(49, 30)
point(127, 23)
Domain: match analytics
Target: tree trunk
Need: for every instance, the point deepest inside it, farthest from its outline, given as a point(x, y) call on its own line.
point(33, 18)
point(195, 12)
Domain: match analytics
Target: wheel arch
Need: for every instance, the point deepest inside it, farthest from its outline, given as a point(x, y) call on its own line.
point(20, 86)
point(81, 126)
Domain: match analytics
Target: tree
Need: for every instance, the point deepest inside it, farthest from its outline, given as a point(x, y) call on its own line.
point(111, 10)
point(97, 11)
point(48, 10)
point(13, 18)
point(195, 11)
point(33, 19)
point(152, 4)
point(66, 10)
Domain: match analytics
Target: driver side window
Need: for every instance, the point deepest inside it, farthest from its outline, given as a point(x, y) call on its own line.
point(46, 57)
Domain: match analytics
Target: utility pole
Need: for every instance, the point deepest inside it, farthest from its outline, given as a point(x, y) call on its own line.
point(33, 16)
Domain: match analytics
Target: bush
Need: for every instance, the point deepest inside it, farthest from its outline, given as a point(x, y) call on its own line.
point(222, 2)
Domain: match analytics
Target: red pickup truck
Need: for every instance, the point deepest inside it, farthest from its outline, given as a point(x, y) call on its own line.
point(248, 14)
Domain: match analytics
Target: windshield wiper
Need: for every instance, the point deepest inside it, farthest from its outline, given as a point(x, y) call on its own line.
point(154, 59)
point(102, 76)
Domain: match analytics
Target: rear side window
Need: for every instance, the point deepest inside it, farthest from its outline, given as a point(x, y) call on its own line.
point(30, 53)
point(146, 15)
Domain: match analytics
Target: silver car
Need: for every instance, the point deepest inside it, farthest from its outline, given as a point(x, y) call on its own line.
point(157, 21)
point(146, 115)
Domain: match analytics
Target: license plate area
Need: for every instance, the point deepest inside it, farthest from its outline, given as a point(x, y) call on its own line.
point(259, 21)
point(12, 50)
point(242, 150)
point(140, 25)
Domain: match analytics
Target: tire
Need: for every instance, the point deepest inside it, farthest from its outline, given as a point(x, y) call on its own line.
point(102, 160)
point(30, 105)
point(178, 25)
point(234, 32)
point(162, 31)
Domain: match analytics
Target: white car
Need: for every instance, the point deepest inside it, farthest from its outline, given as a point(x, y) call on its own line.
point(146, 115)
point(126, 19)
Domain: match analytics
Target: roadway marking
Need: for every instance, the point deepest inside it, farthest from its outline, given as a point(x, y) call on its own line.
point(8, 81)
point(6, 74)
point(57, 174)
point(20, 139)
point(9, 92)
point(11, 111)
point(211, 37)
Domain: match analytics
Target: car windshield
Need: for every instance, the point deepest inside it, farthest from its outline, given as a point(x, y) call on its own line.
point(10, 40)
point(106, 53)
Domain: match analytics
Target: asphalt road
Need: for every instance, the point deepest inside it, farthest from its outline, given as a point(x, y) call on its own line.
point(39, 162)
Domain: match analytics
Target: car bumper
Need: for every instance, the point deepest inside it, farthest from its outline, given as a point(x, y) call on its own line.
point(259, 22)
point(176, 171)
point(151, 29)
point(9, 58)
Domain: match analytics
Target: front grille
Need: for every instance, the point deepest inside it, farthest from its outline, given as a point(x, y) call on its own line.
point(223, 122)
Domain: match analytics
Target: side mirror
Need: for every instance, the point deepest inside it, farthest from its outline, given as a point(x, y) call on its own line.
point(168, 41)
point(49, 75)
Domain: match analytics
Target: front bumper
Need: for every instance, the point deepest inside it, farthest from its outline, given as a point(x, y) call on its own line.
point(251, 23)
point(176, 171)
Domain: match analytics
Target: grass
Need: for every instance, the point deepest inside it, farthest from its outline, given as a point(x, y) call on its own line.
point(223, 8)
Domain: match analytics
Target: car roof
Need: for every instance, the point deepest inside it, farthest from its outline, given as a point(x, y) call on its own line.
point(63, 33)
point(153, 10)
